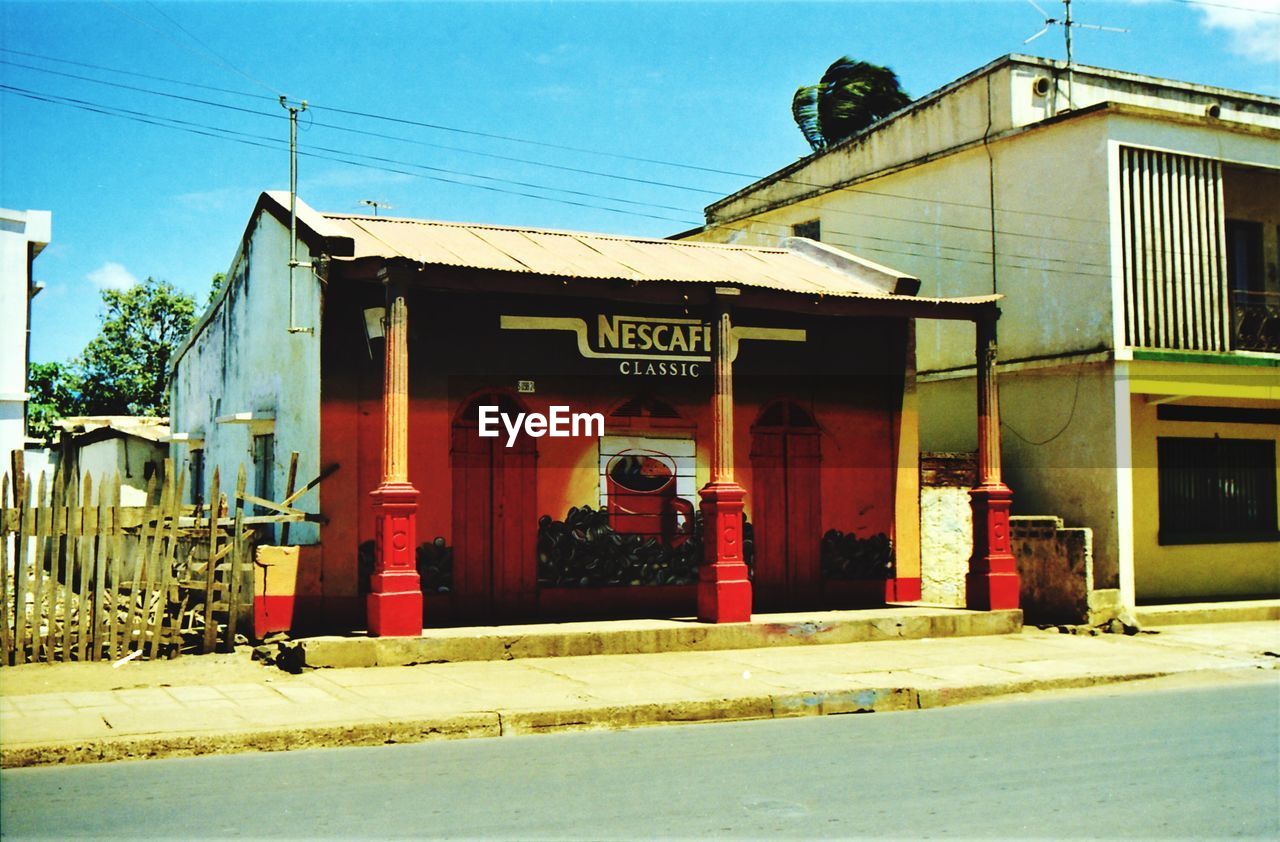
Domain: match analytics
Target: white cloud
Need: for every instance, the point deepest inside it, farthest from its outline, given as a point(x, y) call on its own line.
point(111, 276)
point(1252, 27)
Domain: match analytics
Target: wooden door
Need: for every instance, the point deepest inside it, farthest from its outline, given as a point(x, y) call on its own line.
point(495, 522)
point(786, 510)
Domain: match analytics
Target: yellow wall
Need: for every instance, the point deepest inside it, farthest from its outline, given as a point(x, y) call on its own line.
point(1191, 570)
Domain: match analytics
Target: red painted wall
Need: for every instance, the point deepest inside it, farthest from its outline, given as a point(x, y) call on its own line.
point(848, 376)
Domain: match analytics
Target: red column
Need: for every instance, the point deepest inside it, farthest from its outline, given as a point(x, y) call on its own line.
point(992, 582)
point(395, 595)
point(724, 591)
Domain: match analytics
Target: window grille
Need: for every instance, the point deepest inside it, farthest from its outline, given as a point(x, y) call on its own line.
point(1216, 490)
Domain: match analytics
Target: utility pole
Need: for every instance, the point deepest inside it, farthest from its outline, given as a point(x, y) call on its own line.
point(294, 263)
point(1066, 28)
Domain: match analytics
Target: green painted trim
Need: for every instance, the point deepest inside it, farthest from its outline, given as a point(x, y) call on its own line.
point(1204, 357)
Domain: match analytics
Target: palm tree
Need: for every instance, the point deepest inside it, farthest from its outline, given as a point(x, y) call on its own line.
point(851, 96)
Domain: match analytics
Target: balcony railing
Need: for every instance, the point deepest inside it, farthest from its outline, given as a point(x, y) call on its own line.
point(1255, 321)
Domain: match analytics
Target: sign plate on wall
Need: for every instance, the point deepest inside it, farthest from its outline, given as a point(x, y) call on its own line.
point(646, 345)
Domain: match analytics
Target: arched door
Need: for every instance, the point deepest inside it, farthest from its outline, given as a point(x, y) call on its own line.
point(495, 523)
point(786, 506)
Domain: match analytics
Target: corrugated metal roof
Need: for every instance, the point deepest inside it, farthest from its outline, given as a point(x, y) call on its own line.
point(143, 427)
point(574, 254)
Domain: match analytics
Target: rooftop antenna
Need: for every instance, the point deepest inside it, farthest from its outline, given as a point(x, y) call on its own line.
point(1067, 25)
point(373, 203)
point(294, 263)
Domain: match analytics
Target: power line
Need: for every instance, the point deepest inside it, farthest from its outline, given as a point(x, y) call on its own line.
point(274, 145)
point(439, 127)
point(1252, 9)
point(265, 143)
point(349, 130)
point(384, 159)
point(858, 213)
point(217, 59)
point(270, 143)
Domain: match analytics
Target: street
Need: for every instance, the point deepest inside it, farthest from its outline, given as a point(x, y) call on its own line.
point(1187, 761)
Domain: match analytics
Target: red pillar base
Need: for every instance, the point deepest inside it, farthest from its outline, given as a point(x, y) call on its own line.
point(724, 591)
point(395, 595)
point(992, 583)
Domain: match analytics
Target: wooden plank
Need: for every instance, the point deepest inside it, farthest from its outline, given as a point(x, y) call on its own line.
point(137, 599)
point(132, 518)
point(27, 525)
point(176, 595)
point(69, 566)
point(41, 547)
point(18, 476)
point(168, 558)
point(21, 494)
point(117, 557)
point(6, 638)
point(160, 552)
point(215, 510)
point(98, 634)
point(233, 583)
point(267, 504)
point(154, 561)
point(56, 517)
point(85, 554)
point(290, 481)
point(325, 474)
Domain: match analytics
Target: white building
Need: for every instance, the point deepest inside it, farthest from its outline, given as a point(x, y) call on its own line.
point(1132, 224)
point(23, 235)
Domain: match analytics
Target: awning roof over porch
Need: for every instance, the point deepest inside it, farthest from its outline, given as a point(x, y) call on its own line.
point(800, 266)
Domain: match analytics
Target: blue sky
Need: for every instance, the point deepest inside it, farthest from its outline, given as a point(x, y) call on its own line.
point(707, 85)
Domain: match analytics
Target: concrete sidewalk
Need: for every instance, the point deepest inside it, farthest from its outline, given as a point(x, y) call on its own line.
point(68, 713)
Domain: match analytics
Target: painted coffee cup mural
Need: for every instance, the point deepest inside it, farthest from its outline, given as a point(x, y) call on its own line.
point(641, 497)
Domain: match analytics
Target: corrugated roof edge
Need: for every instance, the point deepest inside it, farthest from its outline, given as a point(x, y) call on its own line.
point(876, 274)
point(553, 231)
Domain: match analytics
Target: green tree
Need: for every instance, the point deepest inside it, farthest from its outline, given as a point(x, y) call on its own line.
point(215, 287)
point(52, 396)
point(851, 96)
point(124, 370)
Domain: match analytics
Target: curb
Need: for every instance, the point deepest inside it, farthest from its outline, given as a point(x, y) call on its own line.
point(517, 723)
point(508, 643)
point(1239, 611)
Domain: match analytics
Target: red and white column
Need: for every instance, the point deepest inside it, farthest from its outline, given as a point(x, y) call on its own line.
point(992, 582)
point(724, 591)
point(395, 594)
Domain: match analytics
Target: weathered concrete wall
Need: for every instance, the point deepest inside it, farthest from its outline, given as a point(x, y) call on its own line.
point(1055, 566)
point(244, 359)
point(21, 234)
point(991, 101)
point(932, 220)
point(1058, 444)
point(125, 457)
point(946, 525)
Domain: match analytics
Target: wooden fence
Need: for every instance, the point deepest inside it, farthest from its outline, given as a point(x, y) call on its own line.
point(87, 579)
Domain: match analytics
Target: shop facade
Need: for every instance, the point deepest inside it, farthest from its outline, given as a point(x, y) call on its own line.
point(538, 425)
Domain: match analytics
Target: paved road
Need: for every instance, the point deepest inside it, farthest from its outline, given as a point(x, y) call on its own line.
point(1200, 761)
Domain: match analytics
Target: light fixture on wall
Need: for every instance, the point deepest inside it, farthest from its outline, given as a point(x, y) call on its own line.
point(375, 319)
